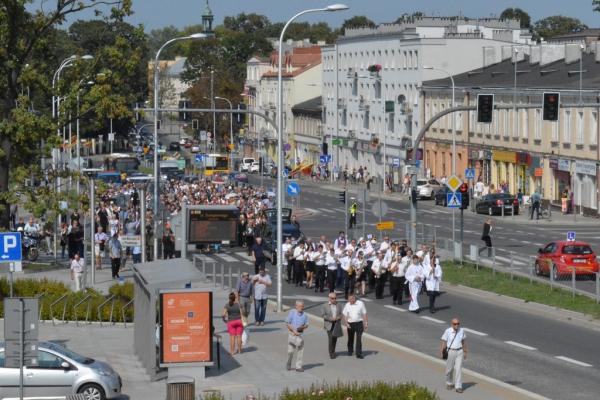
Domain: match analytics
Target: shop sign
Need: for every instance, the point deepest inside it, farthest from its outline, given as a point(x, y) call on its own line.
point(473, 154)
point(585, 167)
point(505, 156)
point(553, 163)
point(367, 147)
point(524, 158)
point(539, 172)
point(565, 165)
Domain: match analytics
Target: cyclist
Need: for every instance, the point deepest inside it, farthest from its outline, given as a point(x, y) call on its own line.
point(535, 204)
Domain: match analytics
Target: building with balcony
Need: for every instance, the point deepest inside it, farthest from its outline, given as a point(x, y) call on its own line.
point(308, 130)
point(371, 80)
point(518, 149)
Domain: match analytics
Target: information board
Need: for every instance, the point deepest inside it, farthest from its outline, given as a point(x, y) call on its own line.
point(186, 327)
point(213, 224)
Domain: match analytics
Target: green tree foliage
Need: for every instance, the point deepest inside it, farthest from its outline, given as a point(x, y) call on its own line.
point(27, 64)
point(358, 21)
point(556, 25)
point(409, 17)
point(596, 4)
point(157, 37)
point(517, 13)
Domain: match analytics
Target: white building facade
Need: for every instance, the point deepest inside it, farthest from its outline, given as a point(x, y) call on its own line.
point(372, 78)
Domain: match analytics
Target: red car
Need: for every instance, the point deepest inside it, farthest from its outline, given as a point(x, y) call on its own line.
point(563, 256)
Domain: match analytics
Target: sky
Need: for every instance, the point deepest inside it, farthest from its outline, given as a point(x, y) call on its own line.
point(160, 13)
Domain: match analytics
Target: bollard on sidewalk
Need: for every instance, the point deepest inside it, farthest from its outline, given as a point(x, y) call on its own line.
point(573, 278)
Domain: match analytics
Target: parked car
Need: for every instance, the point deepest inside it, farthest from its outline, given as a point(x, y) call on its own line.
point(497, 203)
point(561, 257)
point(174, 146)
point(427, 188)
point(246, 163)
point(60, 372)
point(269, 233)
point(441, 196)
point(254, 167)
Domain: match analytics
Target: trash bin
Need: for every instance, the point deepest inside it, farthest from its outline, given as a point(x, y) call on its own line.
point(181, 388)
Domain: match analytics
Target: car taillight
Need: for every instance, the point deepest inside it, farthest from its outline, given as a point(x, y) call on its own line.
point(499, 202)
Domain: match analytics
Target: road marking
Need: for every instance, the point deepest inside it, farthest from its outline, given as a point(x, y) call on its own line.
point(226, 257)
point(570, 360)
point(395, 308)
point(517, 344)
point(242, 254)
point(437, 321)
point(248, 262)
point(474, 332)
point(312, 210)
point(326, 211)
point(505, 259)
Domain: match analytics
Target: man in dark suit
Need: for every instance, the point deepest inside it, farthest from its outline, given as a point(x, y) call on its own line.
point(332, 322)
point(486, 237)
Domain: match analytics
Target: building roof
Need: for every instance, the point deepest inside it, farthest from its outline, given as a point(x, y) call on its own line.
point(557, 75)
point(312, 106)
point(582, 33)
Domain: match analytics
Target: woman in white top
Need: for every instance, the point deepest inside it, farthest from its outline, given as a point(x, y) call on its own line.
point(414, 275)
point(433, 277)
point(332, 266)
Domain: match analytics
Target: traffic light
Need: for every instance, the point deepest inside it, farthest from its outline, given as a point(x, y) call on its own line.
point(550, 106)
point(183, 115)
point(342, 197)
point(464, 196)
point(325, 148)
point(485, 108)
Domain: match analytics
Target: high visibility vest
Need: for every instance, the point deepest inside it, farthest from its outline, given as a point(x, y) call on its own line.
point(353, 208)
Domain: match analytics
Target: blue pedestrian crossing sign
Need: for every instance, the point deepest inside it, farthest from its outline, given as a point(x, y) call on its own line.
point(325, 158)
point(10, 247)
point(571, 236)
point(454, 199)
point(293, 189)
point(470, 173)
point(396, 162)
point(199, 158)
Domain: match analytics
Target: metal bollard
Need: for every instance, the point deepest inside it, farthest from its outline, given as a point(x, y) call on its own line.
point(551, 276)
point(502, 211)
point(222, 276)
point(573, 281)
point(230, 278)
point(512, 264)
point(434, 234)
point(532, 269)
point(214, 275)
point(204, 267)
point(597, 287)
point(239, 273)
point(513, 211)
point(493, 261)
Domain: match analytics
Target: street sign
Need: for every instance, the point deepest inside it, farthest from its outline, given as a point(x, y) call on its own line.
point(571, 236)
point(376, 211)
point(111, 137)
point(418, 164)
point(453, 183)
point(21, 314)
point(293, 189)
point(453, 200)
point(10, 247)
point(470, 173)
point(199, 158)
point(325, 158)
point(130, 241)
point(385, 226)
point(396, 162)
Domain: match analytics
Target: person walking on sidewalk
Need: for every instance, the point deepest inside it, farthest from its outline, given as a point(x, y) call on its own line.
point(486, 237)
point(77, 267)
point(297, 322)
point(261, 282)
point(232, 316)
point(332, 322)
point(535, 204)
point(355, 319)
point(115, 251)
point(453, 349)
point(244, 291)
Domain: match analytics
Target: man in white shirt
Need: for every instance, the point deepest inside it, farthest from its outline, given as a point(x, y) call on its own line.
point(479, 188)
point(433, 277)
point(332, 266)
point(453, 340)
point(346, 263)
point(355, 319)
point(77, 267)
point(286, 262)
point(299, 257)
point(320, 265)
point(414, 275)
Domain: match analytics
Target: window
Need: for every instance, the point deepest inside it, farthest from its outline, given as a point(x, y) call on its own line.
point(525, 124)
point(594, 127)
point(344, 117)
point(366, 120)
point(515, 123)
point(416, 65)
point(459, 121)
point(48, 361)
point(538, 123)
point(567, 126)
point(1, 359)
point(580, 127)
point(506, 125)
point(390, 122)
point(377, 86)
point(404, 58)
point(554, 131)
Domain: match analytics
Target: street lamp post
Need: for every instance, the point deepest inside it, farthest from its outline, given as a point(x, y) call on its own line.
point(156, 174)
point(453, 140)
point(230, 130)
point(280, 166)
point(259, 151)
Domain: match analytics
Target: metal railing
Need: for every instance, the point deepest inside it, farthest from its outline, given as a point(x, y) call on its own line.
point(86, 299)
point(63, 298)
point(112, 299)
point(40, 297)
point(123, 315)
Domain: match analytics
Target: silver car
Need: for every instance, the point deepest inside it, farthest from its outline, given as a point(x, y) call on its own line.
point(60, 372)
point(427, 188)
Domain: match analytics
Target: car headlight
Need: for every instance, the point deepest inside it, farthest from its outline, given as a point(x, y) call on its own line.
point(105, 372)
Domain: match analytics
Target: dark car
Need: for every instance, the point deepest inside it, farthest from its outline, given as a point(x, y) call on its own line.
point(497, 203)
point(441, 197)
point(269, 234)
point(174, 146)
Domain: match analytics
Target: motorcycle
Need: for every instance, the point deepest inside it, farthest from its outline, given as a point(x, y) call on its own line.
point(30, 245)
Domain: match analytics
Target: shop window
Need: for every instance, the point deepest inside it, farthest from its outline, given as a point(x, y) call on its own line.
point(538, 124)
point(594, 128)
point(580, 127)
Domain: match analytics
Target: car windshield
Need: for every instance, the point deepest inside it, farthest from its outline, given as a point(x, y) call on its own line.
point(580, 249)
point(501, 196)
point(421, 182)
point(68, 353)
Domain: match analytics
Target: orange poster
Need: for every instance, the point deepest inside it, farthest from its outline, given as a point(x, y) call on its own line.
point(186, 327)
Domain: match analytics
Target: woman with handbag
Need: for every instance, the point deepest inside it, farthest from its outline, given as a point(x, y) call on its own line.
point(232, 316)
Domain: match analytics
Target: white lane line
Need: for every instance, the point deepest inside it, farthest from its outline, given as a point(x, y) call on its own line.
point(474, 332)
point(437, 321)
point(570, 360)
point(248, 262)
point(325, 210)
point(312, 210)
point(521, 345)
point(226, 257)
point(242, 254)
point(507, 260)
point(395, 308)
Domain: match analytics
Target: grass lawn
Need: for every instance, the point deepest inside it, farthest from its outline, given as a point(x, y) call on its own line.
point(40, 267)
point(520, 288)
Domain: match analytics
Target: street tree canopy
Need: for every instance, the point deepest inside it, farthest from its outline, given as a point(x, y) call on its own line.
point(358, 21)
point(556, 25)
point(519, 14)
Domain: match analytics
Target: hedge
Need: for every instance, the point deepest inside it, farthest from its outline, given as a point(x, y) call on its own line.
point(356, 391)
point(54, 290)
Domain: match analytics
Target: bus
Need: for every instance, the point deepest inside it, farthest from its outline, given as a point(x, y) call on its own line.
point(121, 162)
point(216, 164)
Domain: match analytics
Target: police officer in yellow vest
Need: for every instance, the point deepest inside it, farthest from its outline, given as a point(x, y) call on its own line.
point(353, 210)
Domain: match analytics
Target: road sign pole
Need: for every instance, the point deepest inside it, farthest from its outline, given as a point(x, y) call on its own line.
point(462, 224)
point(22, 346)
point(364, 212)
point(346, 211)
point(11, 278)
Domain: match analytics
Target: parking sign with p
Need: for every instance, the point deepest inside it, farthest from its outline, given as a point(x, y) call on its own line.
point(10, 247)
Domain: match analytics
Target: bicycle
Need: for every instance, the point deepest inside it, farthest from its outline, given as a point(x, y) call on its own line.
point(544, 212)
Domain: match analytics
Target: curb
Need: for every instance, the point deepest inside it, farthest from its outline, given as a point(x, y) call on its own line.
point(429, 358)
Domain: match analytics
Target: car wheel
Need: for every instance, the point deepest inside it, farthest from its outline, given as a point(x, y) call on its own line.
point(91, 391)
point(33, 254)
point(490, 212)
point(432, 195)
point(555, 274)
point(538, 269)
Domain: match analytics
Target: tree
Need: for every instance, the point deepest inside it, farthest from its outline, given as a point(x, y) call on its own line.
point(518, 14)
point(409, 17)
point(158, 37)
point(27, 132)
point(596, 4)
point(556, 25)
point(358, 21)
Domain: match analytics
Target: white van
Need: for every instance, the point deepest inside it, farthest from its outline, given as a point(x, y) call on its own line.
point(246, 163)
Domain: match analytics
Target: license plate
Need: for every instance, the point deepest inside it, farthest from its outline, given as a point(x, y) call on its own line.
point(579, 260)
point(508, 207)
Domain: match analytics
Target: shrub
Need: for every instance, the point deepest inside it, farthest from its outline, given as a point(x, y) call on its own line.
point(361, 391)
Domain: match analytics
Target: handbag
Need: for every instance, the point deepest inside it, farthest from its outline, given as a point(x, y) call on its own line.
point(445, 350)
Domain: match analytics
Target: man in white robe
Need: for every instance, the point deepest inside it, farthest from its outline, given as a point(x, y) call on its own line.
point(414, 275)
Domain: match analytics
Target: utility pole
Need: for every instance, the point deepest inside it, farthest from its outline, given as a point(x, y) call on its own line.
point(212, 105)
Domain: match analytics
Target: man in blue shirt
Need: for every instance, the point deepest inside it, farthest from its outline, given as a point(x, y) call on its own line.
point(297, 322)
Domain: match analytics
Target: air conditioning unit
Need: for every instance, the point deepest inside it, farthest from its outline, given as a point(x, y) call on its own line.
point(352, 134)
